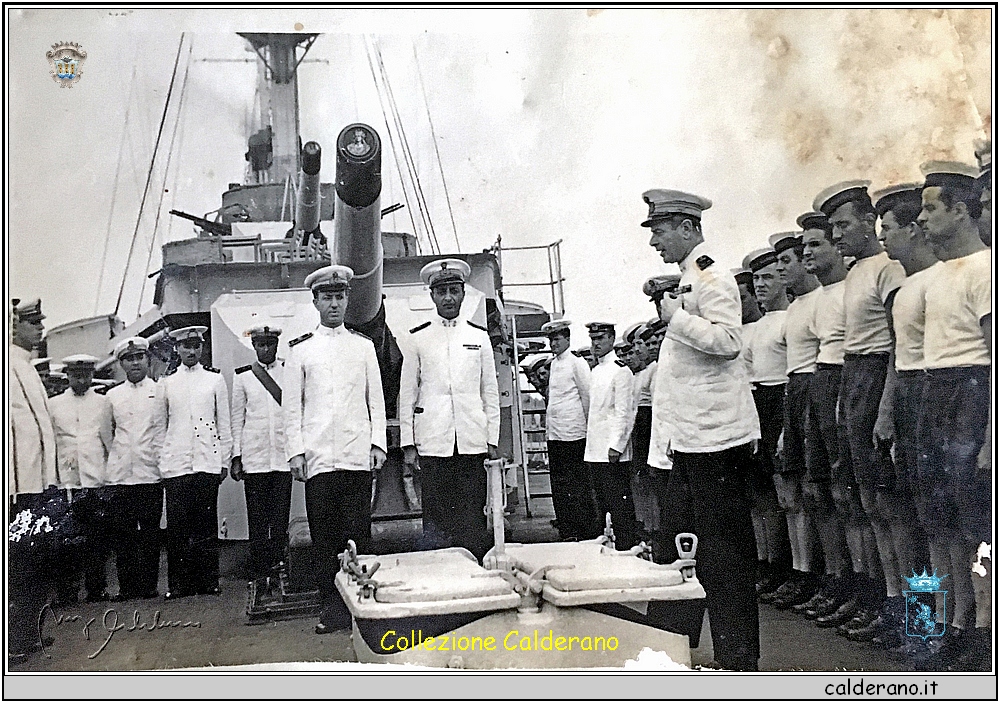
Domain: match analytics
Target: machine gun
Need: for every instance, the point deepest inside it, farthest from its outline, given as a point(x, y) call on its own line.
point(218, 229)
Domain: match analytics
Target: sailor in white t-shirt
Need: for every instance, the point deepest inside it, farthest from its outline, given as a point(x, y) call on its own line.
point(955, 416)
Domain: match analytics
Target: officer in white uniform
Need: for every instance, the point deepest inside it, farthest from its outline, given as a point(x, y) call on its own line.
point(566, 436)
point(449, 413)
point(133, 470)
point(259, 457)
point(335, 431)
point(193, 403)
point(82, 426)
point(31, 473)
point(703, 406)
point(609, 430)
point(33, 455)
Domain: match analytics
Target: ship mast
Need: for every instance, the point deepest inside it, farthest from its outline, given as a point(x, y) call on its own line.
point(274, 150)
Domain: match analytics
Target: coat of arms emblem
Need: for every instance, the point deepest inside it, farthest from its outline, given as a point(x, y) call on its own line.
point(66, 60)
point(922, 620)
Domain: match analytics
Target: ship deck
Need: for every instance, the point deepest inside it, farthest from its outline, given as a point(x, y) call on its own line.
point(221, 637)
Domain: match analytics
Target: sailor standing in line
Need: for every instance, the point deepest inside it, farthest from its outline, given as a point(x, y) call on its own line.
point(133, 469)
point(259, 458)
point(82, 426)
point(702, 405)
point(954, 419)
point(609, 429)
point(193, 403)
point(643, 482)
point(449, 413)
point(335, 432)
point(566, 435)
point(867, 350)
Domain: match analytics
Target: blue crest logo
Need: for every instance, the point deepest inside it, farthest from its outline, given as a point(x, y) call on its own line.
point(66, 63)
point(922, 618)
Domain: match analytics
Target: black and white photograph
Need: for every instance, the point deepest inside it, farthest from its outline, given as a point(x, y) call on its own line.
point(424, 340)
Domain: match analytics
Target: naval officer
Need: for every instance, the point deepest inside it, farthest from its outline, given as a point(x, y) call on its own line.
point(609, 428)
point(335, 431)
point(82, 426)
point(134, 471)
point(566, 436)
point(449, 412)
point(193, 403)
point(703, 407)
point(259, 459)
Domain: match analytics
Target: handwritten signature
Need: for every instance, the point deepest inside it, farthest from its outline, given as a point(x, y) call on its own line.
point(112, 623)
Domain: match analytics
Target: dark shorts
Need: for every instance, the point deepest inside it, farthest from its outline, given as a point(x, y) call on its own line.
point(955, 492)
point(861, 386)
point(826, 440)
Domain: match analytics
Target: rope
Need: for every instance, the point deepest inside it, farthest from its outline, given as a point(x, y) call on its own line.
point(408, 154)
point(149, 175)
point(114, 192)
point(166, 172)
point(447, 198)
point(392, 142)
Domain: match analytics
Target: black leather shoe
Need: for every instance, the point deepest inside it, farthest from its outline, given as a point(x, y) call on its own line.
point(868, 632)
point(953, 646)
point(150, 594)
point(121, 597)
point(818, 597)
point(209, 591)
point(101, 597)
point(839, 616)
point(824, 607)
point(862, 618)
point(782, 590)
point(174, 595)
point(797, 596)
point(888, 638)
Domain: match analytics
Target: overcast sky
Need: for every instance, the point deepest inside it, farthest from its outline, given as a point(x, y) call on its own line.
point(550, 125)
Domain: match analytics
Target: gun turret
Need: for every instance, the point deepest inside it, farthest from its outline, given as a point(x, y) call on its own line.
point(307, 212)
point(216, 228)
point(357, 242)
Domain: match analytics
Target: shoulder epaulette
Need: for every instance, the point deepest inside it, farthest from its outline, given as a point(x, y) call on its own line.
point(362, 335)
point(242, 369)
point(211, 369)
point(103, 390)
point(478, 327)
point(420, 327)
point(704, 261)
point(620, 363)
point(298, 340)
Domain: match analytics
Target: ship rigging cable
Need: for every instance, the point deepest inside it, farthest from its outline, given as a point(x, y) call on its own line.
point(427, 107)
point(166, 173)
point(149, 175)
point(392, 143)
point(114, 190)
point(407, 152)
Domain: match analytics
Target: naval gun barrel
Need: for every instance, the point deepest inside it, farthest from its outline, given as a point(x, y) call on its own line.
point(357, 242)
point(216, 228)
point(357, 220)
point(308, 197)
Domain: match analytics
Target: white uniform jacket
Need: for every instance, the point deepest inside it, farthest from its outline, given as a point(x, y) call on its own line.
point(332, 401)
point(32, 440)
point(258, 424)
point(138, 434)
point(569, 398)
point(448, 391)
point(193, 404)
point(701, 399)
point(82, 425)
point(612, 410)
